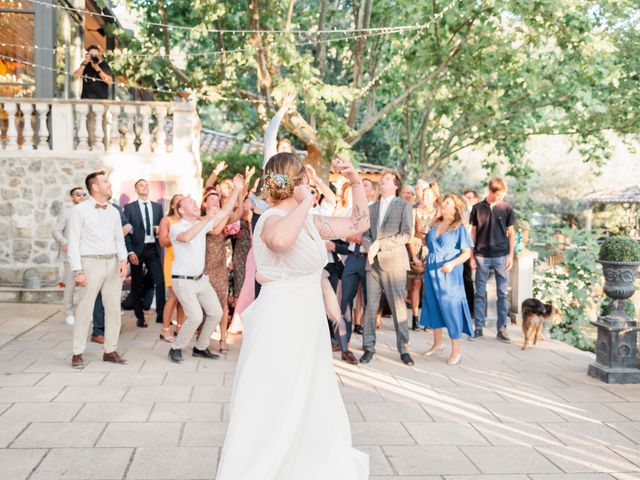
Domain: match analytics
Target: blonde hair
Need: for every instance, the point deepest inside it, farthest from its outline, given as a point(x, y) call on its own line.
point(285, 164)
point(458, 216)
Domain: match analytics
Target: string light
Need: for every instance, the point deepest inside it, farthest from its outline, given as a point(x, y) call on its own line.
point(236, 31)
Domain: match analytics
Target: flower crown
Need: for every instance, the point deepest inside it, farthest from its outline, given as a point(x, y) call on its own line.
point(277, 180)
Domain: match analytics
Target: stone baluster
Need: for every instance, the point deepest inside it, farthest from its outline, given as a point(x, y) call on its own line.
point(43, 128)
point(12, 132)
point(82, 112)
point(145, 135)
point(98, 140)
point(114, 141)
point(130, 135)
point(27, 129)
point(161, 135)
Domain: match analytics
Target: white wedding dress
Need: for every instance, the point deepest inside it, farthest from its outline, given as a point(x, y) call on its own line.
point(288, 420)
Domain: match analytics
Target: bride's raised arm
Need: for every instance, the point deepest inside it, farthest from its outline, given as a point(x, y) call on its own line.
point(331, 228)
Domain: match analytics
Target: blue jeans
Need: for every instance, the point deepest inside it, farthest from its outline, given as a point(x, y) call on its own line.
point(498, 265)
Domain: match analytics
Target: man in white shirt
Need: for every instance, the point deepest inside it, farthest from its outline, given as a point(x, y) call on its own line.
point(98, 258)
point(191, 286)
point(59, 233)
point(388, 262)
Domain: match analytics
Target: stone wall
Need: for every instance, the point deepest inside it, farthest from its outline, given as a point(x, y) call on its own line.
point(34, 188)
point(33, 191)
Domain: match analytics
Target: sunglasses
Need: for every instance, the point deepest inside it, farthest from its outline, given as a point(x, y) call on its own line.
point(79, 194)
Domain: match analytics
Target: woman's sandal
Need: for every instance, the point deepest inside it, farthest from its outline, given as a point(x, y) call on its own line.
point(223, 347)
point(167, 335)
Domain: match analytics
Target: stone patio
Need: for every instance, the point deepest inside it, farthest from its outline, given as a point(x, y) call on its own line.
point(503, 414)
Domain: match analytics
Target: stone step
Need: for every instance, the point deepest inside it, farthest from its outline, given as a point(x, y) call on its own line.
point(31, 295)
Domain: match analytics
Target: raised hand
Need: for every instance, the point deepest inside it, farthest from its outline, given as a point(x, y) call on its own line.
point(220, 167)
point(248, 173)
point(302, 193)
point(311, 173)
point(238, 181)
point(344, 167)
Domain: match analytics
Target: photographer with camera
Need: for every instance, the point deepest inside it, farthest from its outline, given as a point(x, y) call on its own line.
point(96, 75)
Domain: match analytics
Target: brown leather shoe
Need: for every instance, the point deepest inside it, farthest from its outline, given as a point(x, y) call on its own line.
point(77, 361)
point(113, 357)
point(349, 357)
point(97, 339)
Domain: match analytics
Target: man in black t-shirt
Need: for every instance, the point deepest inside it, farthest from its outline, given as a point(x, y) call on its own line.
point(96, 75)
point(493, 233)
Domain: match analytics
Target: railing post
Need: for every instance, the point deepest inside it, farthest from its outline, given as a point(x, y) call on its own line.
point(82, 110)
point(62, 127)
point(161, 135)
point(114, 141)
point(145, 136)
point(12, 132)
point(98, 139)
point(129, 136)
point(183, 120)
point(27, 129)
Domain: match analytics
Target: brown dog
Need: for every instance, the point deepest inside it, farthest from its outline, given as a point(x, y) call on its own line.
point(534, 315)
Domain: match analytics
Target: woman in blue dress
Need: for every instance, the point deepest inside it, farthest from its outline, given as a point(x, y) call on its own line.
point(444, 302)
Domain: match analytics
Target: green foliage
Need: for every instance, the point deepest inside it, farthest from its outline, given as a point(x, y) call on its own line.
point(485, 74)
point(235, 159)
point(620, 249)
point(606, 307)
point(569, 285)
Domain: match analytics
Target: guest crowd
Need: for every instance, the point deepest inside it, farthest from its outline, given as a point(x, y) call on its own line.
point(196, 261)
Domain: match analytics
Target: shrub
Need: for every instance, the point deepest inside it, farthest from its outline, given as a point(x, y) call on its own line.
point(607, 307)
point(620, 249)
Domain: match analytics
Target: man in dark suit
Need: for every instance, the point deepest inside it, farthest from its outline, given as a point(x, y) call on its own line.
point(143, 248)
point(387, 264)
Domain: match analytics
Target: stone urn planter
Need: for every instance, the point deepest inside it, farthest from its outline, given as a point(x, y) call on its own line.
point(617, 342)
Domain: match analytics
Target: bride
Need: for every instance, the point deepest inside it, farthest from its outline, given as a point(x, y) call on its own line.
point(288, 420)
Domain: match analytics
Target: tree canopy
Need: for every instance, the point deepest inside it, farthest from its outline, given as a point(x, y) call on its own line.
point(485, 73)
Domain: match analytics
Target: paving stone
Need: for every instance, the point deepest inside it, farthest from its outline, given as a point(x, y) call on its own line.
point(28, 394)
point(114, 412)
point(485, 477)
point(386, 411)
point(429, 460)
point(19, 379)
point(378, 461)
point(508, 460)
point(165, 365)
point(158, 394)
point(59, 434)
point(473, 394)
point(631, 393)
point(18, 464)
point(630, 430)
point(41, 412)
point(211, 394)
point(592, 411)
point(587, 459)
point(92, 393)
point(381, 433)
point(9, 431)
point(177, 379)
point(586, 433)
point(138, 379)
point(518, 412)
point(193, 463)
point(84, 464)
point(96, 364)
point(132, 434)
point(572, 476)
point(73, 378)
point(203, 434)
point(186, 412)
point(630, 410)
point(589, 394)
point(445, 434)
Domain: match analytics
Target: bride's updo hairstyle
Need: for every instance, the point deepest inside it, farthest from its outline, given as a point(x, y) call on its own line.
point(282, 173)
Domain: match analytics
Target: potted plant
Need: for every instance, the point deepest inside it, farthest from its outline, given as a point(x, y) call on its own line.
point(620, 258)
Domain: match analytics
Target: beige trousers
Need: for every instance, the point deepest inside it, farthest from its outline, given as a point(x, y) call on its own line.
point(195, 296)
point(69, 289)
point(102, 276)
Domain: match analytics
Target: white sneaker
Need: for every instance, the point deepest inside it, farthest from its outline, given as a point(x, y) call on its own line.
point(70, 320)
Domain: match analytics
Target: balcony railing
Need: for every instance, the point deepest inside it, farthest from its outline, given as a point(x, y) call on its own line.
point(61, 126)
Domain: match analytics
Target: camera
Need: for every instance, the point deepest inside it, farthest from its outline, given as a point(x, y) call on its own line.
point(95, 59)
